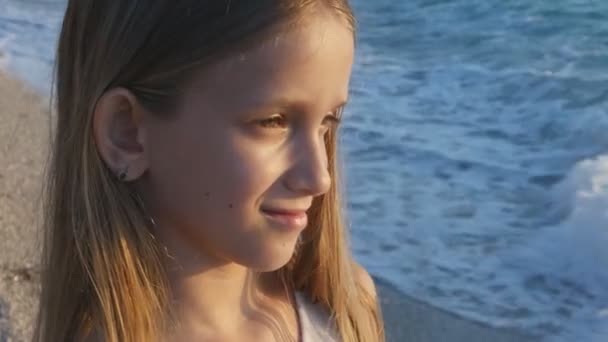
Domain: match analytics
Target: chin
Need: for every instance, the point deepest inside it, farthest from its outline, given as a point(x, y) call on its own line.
point(269, 262)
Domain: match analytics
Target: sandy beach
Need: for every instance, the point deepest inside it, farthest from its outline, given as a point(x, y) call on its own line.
point(24, 131)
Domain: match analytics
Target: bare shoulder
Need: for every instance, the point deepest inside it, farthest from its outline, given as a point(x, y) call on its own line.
point(365, 280)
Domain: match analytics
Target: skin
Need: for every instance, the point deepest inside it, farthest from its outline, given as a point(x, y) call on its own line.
point(205, 174)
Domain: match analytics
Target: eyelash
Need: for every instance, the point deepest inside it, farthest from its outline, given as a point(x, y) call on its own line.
point(268, 122)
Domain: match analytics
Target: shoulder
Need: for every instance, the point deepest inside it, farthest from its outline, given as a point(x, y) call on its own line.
point(365, 281)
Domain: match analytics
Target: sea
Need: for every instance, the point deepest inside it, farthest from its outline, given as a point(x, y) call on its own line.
point(475, 152)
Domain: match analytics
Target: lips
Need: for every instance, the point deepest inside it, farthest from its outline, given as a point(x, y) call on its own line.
point(287, 218)
point(285, 212)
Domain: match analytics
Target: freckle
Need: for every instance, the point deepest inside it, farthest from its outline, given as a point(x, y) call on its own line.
point(206, 194)
point(230, 205)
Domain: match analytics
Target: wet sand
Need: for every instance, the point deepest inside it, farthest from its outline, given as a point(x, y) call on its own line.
point(24, 131)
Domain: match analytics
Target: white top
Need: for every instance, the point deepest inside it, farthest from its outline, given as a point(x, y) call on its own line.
point(316, 325)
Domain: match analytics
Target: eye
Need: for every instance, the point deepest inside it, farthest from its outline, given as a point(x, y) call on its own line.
point(280, 121)
point(333, 120)
point(275, 121)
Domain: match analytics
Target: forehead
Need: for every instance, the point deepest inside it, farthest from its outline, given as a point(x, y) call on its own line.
point(312, 61)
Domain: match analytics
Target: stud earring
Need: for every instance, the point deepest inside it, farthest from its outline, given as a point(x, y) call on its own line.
point(123, 174)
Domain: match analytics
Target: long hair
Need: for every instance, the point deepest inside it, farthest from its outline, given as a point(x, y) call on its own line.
point(103, 273)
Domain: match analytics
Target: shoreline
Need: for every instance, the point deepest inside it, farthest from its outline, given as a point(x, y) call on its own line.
point(24, 130)
point(409, 319)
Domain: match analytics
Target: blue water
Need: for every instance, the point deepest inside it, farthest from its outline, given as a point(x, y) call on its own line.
point(475, 148)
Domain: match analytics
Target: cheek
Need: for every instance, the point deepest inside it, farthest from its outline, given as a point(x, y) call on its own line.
point(181, 170)
point(242, 175)
point(211, 176)
point(245, 171)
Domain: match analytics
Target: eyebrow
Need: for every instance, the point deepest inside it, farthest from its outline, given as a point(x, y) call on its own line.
point(294, 105)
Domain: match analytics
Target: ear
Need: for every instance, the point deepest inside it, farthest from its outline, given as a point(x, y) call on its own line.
point(120, 134)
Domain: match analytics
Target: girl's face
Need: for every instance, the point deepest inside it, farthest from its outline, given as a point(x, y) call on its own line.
point(249, 136)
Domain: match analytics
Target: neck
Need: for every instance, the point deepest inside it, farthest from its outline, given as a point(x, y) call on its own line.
point(212, 296)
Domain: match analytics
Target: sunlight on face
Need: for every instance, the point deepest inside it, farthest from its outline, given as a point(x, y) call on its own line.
point(249, 135)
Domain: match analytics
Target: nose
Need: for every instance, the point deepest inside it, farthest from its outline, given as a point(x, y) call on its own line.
point(310, 175)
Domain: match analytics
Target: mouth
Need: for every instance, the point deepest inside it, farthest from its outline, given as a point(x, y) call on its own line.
point(287, 219)
point(293, 212)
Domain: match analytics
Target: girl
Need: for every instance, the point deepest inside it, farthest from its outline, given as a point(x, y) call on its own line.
point(193, 187)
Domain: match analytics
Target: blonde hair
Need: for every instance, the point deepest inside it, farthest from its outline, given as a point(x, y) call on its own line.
point(102, 265)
